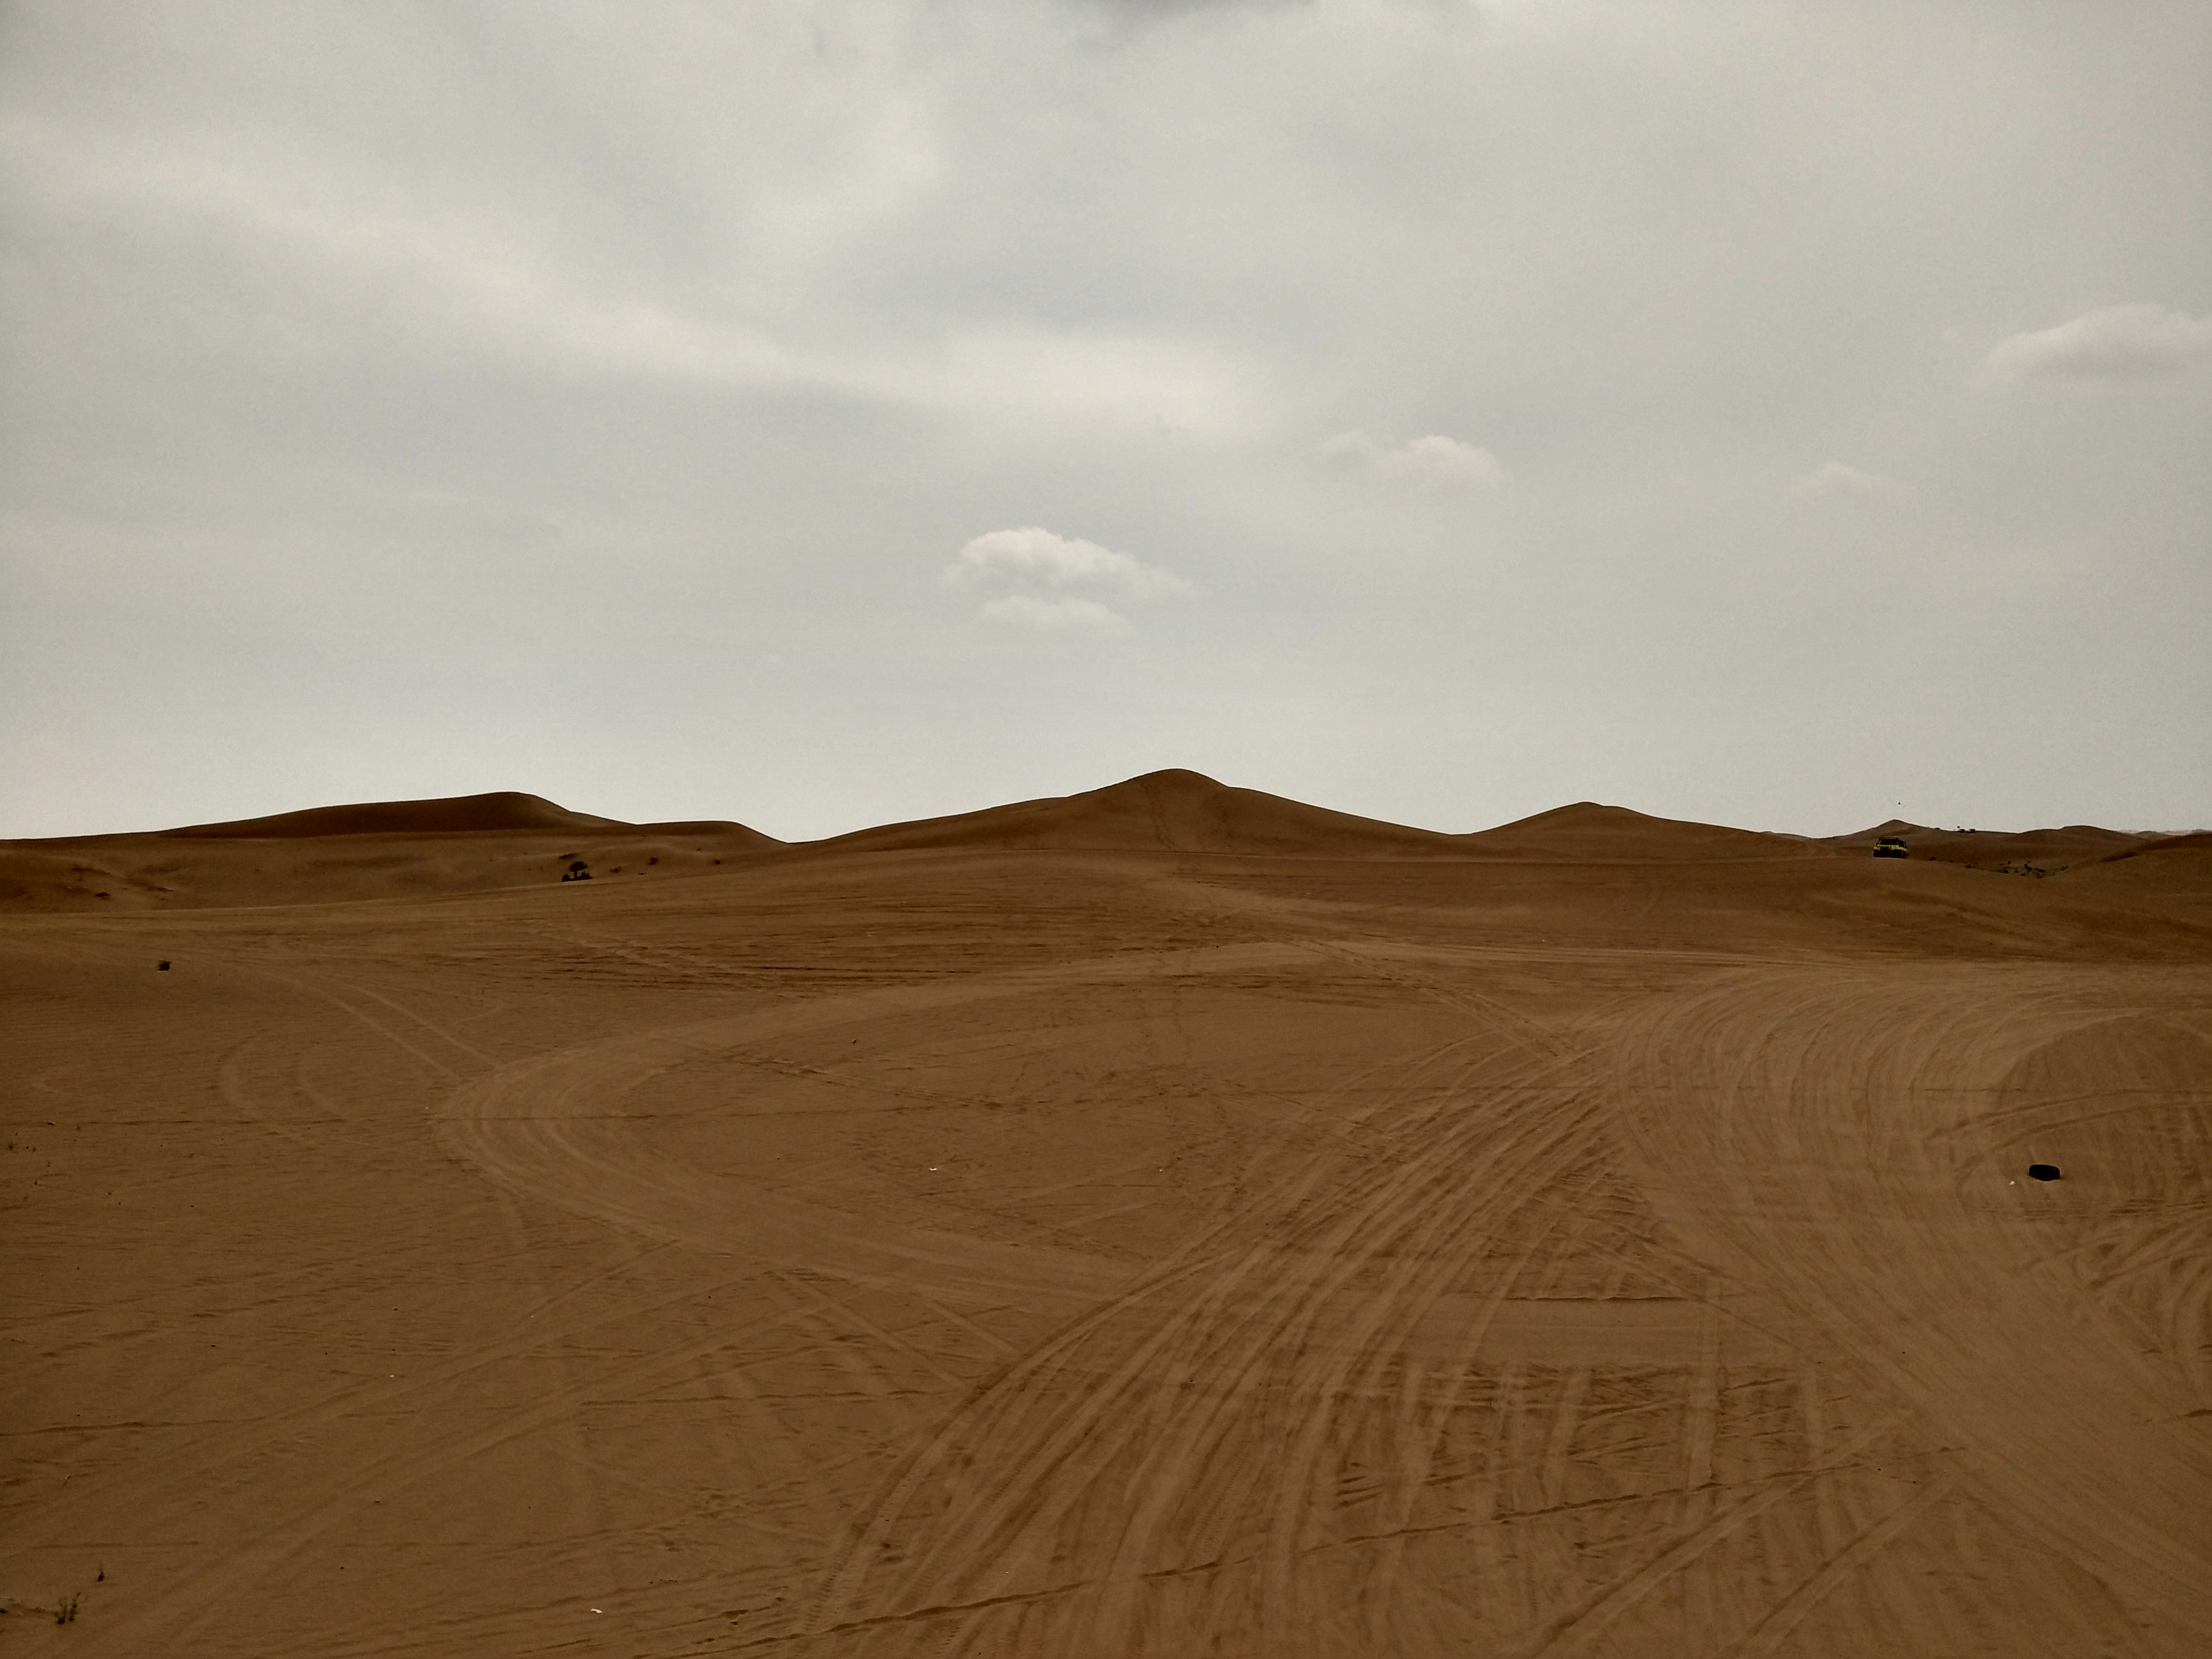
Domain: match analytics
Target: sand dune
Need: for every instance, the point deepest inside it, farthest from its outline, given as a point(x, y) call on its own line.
point(474, 843)
point(370, 850)
point(1168, 811)
point(1609, 1236)
point(1589, 832)
point(2156, 847)
point(2176, 869)
point(2021, 852)
point(506, 810)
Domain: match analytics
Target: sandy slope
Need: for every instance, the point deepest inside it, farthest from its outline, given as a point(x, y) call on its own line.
point(975, 1247)
point(2015, 851)
point(1171, 811)
point(375, 849)
point(1587, 832)
point(2176, 869)
point(506, 811)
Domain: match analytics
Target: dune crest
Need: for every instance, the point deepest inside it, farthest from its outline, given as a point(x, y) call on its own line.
point(508, 838)
point(2017, 852)
point(1589, 831)
point(502, 809)
point(1172, 811)
point(364, 850)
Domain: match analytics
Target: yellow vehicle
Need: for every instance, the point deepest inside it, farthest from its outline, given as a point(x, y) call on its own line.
point(1890, 847)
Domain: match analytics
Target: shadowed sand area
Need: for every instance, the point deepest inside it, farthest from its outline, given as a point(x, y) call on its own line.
point(1168, 1220)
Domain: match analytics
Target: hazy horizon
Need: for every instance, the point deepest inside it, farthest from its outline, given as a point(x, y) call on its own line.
point(588, 809)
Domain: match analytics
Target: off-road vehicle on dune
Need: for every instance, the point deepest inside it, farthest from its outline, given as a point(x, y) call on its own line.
point(1890, 847)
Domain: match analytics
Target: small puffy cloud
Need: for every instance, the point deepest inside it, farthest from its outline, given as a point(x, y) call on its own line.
point(1435, 460)
point(2116, 343)
point(1033, 558)
point(1053, 616)
point(1834, 478)
point(1037, 554)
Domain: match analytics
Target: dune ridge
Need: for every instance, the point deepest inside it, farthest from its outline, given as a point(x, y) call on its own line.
point(361, 850)
point(1588, 831)
point(508, 838)
point(1170, 811)
point(501, 812)
point(2018, 852)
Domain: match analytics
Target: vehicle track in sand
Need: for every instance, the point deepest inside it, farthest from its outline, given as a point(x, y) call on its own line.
point(1076, 1486)
point(552, 1126)
point(433, 1417)
point(1708, 1318)
point(1834, 1139)
point(1243, 1353)
point(1215, 1316)
point(1186, 1431)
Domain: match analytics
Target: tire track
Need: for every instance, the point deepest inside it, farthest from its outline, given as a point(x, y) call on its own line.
point(551, 1126)
point(996, 1410)
point(1799, 1121)
point(995, 1417)
point(1775, 1629)
point(1209, 1350)
point(182, 1616)
point(1574, 1633)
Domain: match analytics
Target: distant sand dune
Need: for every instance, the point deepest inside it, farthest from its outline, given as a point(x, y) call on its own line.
point(1587, 830)
point(370, 849)
point(469, 843)
point(2018, 851)
point(505, 810)
point(1174, 811)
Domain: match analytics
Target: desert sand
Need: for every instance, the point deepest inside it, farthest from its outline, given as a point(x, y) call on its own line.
point(1170, 1220)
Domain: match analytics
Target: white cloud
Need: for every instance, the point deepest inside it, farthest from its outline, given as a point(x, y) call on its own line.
point(1035, 554)
point(1834, 478)
point(1026, 611)
point(2116, 343)
point(1035, 558)
point(1435, 460)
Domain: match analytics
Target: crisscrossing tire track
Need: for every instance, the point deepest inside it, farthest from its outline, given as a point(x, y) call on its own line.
point(1174, 1398)
point(1816, 1134)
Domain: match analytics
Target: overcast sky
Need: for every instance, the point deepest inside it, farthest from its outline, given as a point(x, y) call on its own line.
point(823, 414)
